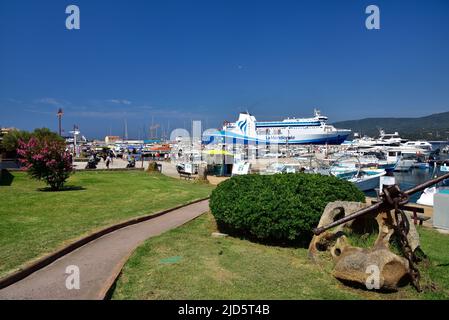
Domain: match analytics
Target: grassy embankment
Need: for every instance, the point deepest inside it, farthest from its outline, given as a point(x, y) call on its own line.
point(187, 263)
point(35, 222)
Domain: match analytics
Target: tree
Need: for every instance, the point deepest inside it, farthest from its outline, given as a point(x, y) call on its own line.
point(11, 139)
point(47, 160)
point(46, 134)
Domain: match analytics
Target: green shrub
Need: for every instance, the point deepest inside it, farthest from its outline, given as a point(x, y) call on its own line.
point(152, 167)
point(277, 207)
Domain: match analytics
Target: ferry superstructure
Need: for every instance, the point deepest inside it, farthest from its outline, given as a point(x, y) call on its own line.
point(288, 131)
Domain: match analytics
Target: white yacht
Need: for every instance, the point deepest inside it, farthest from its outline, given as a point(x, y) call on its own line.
point(384, 139)
point(417, 148)
point(391, 138)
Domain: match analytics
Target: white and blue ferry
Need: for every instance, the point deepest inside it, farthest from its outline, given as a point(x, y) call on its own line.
point(288, 131)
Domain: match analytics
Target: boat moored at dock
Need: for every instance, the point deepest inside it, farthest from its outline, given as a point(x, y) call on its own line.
point(368, 179)
point(290, 131)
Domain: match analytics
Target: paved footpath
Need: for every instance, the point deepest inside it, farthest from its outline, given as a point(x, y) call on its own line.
point(99, 261)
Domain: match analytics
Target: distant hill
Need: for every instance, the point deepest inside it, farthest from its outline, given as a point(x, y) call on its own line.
point(433, 127)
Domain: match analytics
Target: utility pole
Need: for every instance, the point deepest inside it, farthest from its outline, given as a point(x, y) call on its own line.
point(60, 113)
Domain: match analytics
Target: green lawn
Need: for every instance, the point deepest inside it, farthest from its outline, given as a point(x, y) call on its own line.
point(187, 263)
point(34, 222)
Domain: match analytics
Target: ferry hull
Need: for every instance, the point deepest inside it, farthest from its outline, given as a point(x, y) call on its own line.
point(232, 137)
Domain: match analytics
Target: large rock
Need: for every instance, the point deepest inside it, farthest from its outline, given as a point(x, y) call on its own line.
point(373, 268)
point(333, 212)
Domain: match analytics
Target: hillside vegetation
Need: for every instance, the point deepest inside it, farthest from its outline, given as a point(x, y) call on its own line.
point(433, 127)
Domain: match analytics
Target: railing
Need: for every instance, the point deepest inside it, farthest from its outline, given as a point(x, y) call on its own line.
point(390, 195)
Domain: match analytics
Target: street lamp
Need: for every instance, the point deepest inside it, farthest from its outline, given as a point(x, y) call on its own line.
point(75, 132)
point(60, 113)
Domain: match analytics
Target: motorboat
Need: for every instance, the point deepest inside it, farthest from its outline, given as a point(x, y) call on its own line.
point(402, 163)
point(390, 138)
point(343, 171)
point(420, 144)
point(368, 179)
point(384, 139)
point(426, 197)
point(365, 178)
point(373, 157)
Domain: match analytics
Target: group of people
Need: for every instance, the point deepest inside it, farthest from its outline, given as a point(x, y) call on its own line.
point(108, 158)
point(94, 159)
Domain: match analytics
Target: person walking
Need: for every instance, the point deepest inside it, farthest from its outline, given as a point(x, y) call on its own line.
point(108, 161)
point(112, 156)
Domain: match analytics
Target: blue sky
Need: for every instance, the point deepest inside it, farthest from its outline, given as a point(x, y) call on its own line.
point(171, 62)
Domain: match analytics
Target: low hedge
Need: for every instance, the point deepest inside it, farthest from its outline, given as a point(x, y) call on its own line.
point(277, 207)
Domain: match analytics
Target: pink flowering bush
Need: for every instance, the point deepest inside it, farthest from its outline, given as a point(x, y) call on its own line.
point(46, 160)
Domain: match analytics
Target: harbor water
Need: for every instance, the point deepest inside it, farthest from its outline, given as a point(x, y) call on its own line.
point(414, 177)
